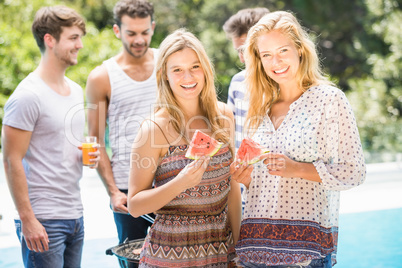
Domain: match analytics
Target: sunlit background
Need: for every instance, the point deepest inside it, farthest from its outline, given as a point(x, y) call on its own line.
point(360, 43)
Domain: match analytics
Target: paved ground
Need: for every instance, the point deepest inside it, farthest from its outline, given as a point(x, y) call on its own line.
point(100, 231)
point(381, 191)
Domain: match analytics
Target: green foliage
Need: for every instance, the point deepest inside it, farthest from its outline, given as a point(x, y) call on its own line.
point(377, 96)
point(15, 62)
point(359, 42)
point(19, 54)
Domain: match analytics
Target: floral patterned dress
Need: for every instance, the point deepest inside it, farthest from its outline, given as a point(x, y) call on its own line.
point(192, 230)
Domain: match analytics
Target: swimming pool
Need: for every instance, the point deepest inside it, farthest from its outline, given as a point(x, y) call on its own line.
point(370, 224)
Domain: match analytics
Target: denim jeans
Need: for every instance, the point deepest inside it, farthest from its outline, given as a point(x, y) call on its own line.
point(317, 263)
point(66, 240)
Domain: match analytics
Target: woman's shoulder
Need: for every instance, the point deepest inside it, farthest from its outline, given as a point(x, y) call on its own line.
point(327, 97)
point(160, 117)
point(153, 128)
point(326, 91)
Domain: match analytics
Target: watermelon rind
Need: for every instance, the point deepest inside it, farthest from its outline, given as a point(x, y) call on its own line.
point(196, 157)
point(249, 142)
point(217, 146)
point(255, 159)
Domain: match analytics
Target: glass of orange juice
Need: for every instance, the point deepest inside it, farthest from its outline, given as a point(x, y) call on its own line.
point(87, 147)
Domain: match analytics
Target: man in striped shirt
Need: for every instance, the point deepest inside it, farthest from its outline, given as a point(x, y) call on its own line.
point(236, 29)
point(121, 93)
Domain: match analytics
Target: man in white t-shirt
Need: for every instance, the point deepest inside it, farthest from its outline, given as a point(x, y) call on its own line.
point(121, 93)
point(43, 125)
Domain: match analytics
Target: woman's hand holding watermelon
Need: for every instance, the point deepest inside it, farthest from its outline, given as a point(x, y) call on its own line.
point(241, 173)
point(277, 164)
point(281, 165)
point(191, 175)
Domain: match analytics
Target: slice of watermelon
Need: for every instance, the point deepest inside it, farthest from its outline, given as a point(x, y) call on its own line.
point(249, 151)
point(202, 145)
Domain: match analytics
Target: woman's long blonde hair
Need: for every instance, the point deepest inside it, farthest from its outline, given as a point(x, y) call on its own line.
point(264, 91)
point(177, 41)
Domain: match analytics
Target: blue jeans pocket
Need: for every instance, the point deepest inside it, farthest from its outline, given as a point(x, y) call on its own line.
point(66, 240)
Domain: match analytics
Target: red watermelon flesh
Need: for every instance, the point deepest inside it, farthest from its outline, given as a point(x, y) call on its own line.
point(249, 151)
point(202, 145)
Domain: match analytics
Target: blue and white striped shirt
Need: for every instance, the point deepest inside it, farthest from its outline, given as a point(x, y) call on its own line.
point(236, 101)
point(239, 105)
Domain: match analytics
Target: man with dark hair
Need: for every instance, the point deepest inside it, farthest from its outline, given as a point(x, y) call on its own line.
point(48, 21)
point(43, 123)
point(236, 29)
point(120, 93)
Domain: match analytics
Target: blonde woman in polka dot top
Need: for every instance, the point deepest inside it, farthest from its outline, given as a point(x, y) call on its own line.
point(292, 208)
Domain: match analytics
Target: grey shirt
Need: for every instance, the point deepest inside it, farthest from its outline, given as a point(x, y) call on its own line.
point(52, 163)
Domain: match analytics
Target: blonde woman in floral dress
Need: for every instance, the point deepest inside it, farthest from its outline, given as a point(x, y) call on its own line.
point(197, 205)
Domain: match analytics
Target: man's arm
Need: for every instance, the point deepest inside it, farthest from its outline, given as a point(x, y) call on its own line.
point(15, 144)
point(98, 94)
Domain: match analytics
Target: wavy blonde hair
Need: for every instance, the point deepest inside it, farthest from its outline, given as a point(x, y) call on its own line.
point(177, 41)
point(264, 91)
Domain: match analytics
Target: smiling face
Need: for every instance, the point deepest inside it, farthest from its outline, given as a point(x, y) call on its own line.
point(70, 42)
point(279, 56)
point(185, 74)
point(135, 34)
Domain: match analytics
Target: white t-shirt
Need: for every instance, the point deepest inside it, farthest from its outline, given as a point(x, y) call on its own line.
point(52, 163)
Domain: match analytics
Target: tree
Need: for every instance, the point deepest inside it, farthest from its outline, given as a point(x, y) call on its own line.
point(377, 96)
point(19, 54)
point(359, 42)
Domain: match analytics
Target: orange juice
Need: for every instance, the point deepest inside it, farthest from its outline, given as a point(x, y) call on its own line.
point(86, 148)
